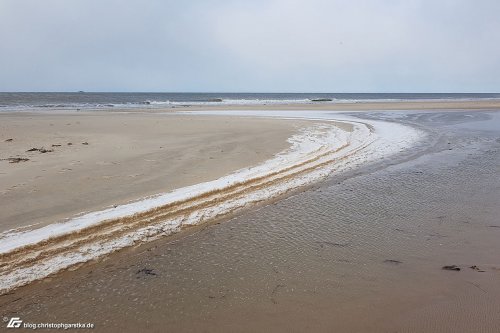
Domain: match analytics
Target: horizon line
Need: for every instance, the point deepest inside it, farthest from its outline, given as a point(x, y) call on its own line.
point(235, 92)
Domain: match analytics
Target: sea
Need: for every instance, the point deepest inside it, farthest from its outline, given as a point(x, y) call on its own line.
point(11, 101)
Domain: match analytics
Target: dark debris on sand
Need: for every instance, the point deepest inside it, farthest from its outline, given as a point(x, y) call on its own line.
point(146, 271)
point(451, 268)
point(40, 150)
point(16, 159)
point(477, 269)
point(392, 261)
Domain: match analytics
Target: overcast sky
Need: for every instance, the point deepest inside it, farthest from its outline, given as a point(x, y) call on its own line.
point(250, 46)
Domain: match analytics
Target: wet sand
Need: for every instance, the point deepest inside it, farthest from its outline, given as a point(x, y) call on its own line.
point(97, 159)
point(362, 254)
point(364, 106)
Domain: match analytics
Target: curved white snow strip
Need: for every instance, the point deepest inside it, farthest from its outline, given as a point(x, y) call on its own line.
point(304, 145)
point(314, 154)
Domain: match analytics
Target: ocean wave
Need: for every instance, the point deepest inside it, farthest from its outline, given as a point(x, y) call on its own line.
point(319, 100)
point(221, 101)
point(227, 102)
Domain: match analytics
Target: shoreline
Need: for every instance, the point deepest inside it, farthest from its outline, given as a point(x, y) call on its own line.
point(375, 106)
point(314, 154)
point(364, 106)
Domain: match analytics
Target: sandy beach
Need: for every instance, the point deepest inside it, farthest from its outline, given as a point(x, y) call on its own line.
point(97, 160)
point(362, 106)
point(379, 217)
point(32, 252)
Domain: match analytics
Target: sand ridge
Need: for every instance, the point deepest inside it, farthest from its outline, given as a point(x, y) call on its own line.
point(316, 152)
point(107, 234)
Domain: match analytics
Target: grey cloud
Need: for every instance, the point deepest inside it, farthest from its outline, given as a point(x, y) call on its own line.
point(274, 45)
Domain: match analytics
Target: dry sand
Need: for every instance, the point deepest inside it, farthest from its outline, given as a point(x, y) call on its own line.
point(114, 158)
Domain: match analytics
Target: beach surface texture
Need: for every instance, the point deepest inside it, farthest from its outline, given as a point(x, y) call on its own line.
point(315, 151)
point(251, 218)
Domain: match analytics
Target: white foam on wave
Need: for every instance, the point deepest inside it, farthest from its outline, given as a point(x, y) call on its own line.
point(230, 102)
point(305, 101)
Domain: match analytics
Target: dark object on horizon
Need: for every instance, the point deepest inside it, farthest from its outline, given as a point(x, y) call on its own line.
point(321, 100)
point(451, 268)
point(81, 91)
point(9, 140)
point(85, 143)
